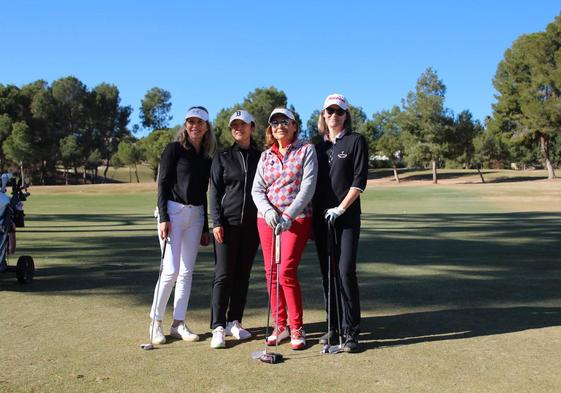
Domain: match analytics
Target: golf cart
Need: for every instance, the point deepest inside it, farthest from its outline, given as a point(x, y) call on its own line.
point(12, 217)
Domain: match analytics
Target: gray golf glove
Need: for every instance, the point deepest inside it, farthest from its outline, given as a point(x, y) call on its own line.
point(283, 225)
point(332, 214)
point(272, 218)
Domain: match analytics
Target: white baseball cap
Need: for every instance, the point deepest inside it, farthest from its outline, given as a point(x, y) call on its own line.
point(336, 99)
point(242, 115)
point(197, 112)
point(282, 111)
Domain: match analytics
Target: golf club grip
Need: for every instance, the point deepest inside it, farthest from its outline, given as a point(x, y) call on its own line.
point(277, 248)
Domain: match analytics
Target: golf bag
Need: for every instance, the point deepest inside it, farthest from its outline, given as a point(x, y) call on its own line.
point(11, 217)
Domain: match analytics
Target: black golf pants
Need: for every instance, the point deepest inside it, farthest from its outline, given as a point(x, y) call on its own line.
point(345, 253)
point(233, 261)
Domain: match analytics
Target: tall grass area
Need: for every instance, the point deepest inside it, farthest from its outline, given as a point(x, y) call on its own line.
point(459, 290)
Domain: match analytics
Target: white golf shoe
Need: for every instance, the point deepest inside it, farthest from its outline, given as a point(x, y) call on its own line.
point(157, 336)
point(278, 335)
point(236, 329)
point(218, 338)
point(182, 331)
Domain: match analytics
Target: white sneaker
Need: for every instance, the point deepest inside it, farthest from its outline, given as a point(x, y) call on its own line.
point(218, 338)
point(183, 332)
point(278, 335)
point(157, 336)
point(236, 329)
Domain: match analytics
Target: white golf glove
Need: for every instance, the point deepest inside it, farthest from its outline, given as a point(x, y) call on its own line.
point(272, 218)
point(332, 214)
point(283, 225)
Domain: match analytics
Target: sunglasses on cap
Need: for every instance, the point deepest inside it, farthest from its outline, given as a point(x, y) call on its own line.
point(339, 111)
point(278, 123)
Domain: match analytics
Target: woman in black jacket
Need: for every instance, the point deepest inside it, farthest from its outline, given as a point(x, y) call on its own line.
point(236, 239)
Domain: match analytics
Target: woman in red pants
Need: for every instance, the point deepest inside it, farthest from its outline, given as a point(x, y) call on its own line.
point(283, 188)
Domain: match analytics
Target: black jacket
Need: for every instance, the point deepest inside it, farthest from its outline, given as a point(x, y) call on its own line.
point(231, 180)
point(340, 167)
point(183, 178)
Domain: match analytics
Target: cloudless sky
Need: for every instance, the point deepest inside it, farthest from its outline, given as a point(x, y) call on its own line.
point(213, 53)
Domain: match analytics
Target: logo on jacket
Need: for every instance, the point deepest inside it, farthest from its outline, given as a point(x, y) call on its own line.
point(342, 154)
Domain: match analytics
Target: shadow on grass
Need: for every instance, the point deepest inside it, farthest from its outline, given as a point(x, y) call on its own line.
point(413, 328)
point(466, 265)
point(490, 176)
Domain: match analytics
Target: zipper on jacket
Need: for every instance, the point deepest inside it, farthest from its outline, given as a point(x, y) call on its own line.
point(244, 166)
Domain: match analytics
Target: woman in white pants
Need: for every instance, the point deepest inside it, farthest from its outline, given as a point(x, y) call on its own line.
point(182, 219)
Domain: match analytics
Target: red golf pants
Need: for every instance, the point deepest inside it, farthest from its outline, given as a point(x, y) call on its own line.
point(293, 242)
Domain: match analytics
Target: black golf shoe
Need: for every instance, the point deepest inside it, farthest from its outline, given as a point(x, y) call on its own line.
point(351, 344)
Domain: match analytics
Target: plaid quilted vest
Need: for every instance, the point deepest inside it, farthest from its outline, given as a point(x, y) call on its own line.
point(283, 178)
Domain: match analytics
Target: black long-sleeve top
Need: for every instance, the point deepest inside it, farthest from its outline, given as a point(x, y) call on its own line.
point(340, 166)
point(231, 180)
point(183, 178)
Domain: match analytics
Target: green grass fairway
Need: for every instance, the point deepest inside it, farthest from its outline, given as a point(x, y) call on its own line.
point(460, 291)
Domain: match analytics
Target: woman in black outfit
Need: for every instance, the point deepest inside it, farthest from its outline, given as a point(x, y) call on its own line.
point(342, 174)
point(236, 239)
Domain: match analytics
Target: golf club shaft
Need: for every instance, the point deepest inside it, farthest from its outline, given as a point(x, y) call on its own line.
point(277, 262)
point(158, 289)
point(336, 277)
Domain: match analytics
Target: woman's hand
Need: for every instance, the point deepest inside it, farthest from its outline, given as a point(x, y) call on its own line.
point(164, 229)
point(205, 239)
point(218, 233)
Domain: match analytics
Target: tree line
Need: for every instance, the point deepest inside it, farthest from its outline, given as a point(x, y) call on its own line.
point(46, 129)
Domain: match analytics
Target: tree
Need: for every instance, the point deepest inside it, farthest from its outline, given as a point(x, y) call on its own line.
point(70, 155)
point(93, 161)
point(153, 145)
point(312, 130)
point(130, 154)
point(19, 146)
point(5, 131)
point(528, 81)
point(155, 108)
point(260, 103)
point(460, 148)
point(109, 121)
point(389, 142)
point(425, 121)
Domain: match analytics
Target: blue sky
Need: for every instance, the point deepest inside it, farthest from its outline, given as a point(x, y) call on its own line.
point(214, 53)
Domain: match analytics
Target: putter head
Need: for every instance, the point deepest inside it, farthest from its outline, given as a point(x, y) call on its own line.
point(257, 354)
point(271, 358)
point(146, 347)
point(335, 349)
point(325, 348)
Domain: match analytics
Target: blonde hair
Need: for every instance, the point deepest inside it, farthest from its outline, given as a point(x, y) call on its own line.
point(322, 125)
point(209, 139)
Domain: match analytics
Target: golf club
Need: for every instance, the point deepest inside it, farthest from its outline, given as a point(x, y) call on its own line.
point(150, 346)
point(332, 275)
point(265, 356)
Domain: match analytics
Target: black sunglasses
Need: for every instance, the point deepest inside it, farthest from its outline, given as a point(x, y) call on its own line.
point(339, 111)
point(276, 123)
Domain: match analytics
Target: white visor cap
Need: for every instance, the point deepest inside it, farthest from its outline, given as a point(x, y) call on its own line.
point(282, 111)
point(197, 112)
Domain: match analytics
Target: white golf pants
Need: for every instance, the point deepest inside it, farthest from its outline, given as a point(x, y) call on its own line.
point(183, 245)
